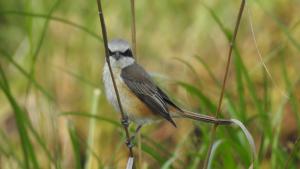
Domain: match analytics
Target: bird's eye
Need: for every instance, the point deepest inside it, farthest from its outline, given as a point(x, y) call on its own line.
point(127, 53)
point(110, 52)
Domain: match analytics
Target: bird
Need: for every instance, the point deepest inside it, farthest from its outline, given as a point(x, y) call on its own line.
point(143, 101)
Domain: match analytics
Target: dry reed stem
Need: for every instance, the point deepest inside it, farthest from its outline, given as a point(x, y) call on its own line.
point(104, 36)
point(213, 131)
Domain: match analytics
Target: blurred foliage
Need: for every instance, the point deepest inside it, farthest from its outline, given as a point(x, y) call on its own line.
point(51, 60)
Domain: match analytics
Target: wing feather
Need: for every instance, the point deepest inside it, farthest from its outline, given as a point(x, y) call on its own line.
point(141, 84)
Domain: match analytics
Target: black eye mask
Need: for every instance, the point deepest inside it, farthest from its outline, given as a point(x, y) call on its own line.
point(110, 52)
point(126, 53)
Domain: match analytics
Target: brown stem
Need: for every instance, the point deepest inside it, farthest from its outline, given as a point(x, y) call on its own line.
point(133, 30)
point(104, 35)
point(213, 131)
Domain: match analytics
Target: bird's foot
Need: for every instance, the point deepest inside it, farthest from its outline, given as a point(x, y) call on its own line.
point(125, 122)
point(129, 142)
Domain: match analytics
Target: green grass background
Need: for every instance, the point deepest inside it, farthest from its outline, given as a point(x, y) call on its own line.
point(51, 57)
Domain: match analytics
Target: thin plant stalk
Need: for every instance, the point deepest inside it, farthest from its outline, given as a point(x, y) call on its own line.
point(133, 30)
point(133, 42)
point(213, 131)
point(104, 36)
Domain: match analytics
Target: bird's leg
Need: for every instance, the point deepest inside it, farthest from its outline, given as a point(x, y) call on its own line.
point(125, 121)
point(129, 142)
point(136, 132)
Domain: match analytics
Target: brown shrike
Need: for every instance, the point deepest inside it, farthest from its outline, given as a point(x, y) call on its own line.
point(142, 100)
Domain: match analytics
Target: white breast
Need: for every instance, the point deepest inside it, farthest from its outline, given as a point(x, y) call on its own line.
point(117, 66)
point(128, 103)
point(109, 89)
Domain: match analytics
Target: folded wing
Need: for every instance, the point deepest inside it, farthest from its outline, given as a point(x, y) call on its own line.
point(141, 84)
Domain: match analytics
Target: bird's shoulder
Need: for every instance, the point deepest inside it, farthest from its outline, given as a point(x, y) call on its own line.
point(137, 73)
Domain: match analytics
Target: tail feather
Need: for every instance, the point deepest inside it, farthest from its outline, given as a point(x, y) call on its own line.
point(205, 118)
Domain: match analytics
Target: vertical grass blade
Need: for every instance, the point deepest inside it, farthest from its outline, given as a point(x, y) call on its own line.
point(76, 145)
point(29, 156)
point(39, 45)
point(91, 129)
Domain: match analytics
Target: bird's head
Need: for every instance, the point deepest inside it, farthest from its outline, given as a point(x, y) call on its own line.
point(120, 53)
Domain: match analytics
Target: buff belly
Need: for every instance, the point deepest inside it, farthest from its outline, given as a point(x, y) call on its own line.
point(136, 110)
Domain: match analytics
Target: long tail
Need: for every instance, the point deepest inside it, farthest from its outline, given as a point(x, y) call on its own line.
point(201, 117)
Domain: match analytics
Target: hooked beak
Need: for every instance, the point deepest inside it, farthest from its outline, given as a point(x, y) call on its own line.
point(117, 55)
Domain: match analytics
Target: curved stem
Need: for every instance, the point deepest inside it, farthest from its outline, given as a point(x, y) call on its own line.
point(213, 131)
